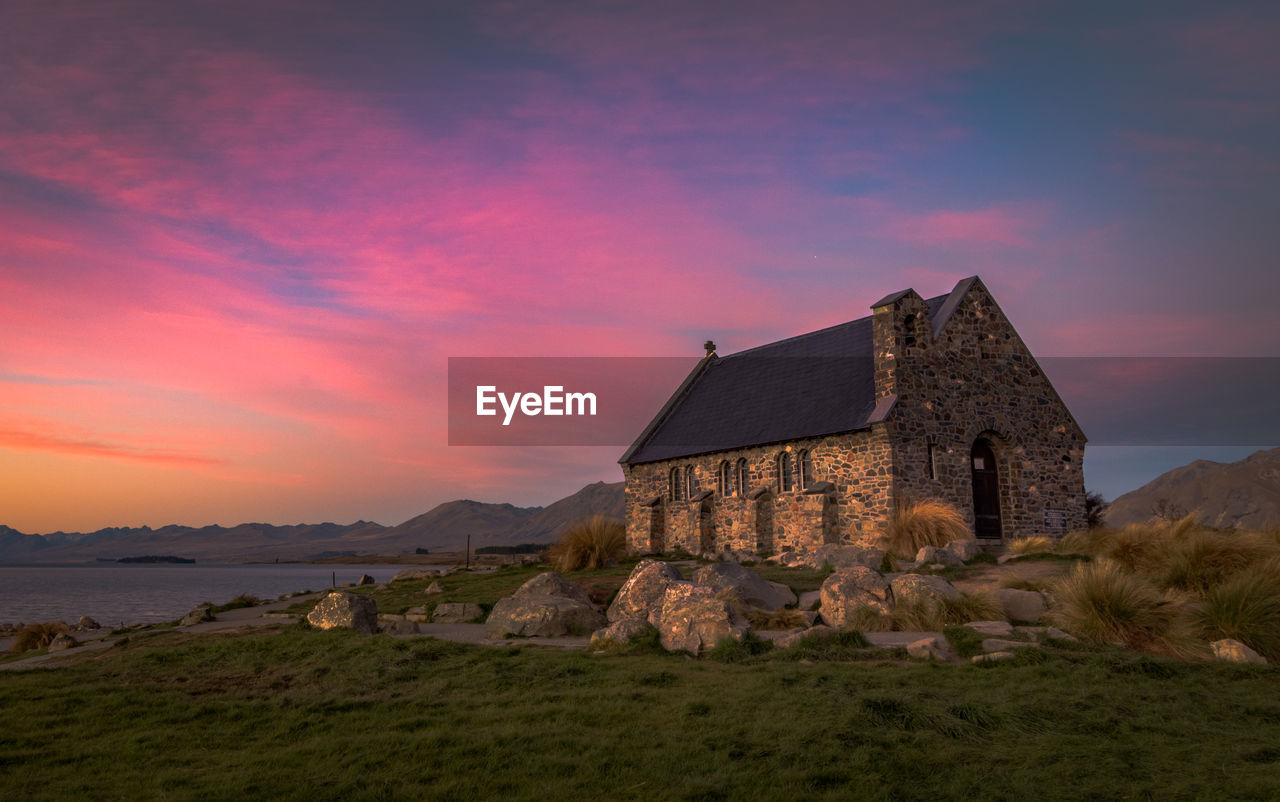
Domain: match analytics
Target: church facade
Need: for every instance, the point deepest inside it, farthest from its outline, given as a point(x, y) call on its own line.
point(812, 439)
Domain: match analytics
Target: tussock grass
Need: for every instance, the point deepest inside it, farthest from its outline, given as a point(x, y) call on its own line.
point(929, 615)
point(1032, 545)
point(37, 636)
point(1102, 602)
point(591, 543)
point(915, 523)
point(869, 619)
point(1245, 607)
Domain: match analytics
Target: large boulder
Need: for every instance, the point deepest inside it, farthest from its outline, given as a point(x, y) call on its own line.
point(86, 622)
point(1021, 605)
point(692, 619)
point(546, 606)
point(643, 591)
point(845, 591)
point(543, 617)
point(365, 579)
point(752, 588)
point(552, 584)
point(456, 613)
point(908, 588)
point(339, 609)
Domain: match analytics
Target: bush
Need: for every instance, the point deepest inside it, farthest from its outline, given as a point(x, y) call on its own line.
point(37, 636)
point(591, 543)
point(1202, 558)
point(1033, 545)
point(1100, 602)
point(1245, 607)
point(914, 524)
point(928, 615)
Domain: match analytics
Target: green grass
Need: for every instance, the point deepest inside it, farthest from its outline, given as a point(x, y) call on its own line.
point(306, 714)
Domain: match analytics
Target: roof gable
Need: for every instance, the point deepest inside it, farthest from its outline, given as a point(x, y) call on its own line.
point(810, 385)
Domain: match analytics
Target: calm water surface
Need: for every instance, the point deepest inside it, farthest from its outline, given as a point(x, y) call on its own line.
point(146, 594)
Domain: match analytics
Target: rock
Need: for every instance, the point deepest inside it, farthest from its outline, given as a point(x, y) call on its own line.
point(420, 610)
point(390, 617)
point(810, 617)
point(552, 584)
point(1228, 649)
point(414, 573)
point(692, 619)
point(1045, 633)
point(855, 587)
point(619, 632)
point(86, 622)
point(63, 641)
point(1001, 645)
point(919, 587)
point(400, 628)
point(998, 629)
point(1005, 558)
point(965, 550)
point(541, 616)
point(198, 615)
point(339, 609)
point(809, 600)
point(928, 649)
point(841, 557)
point(643, 591)
point(991, 657)
point(793, 638)
point(365, 579)
point(434, 587)
point(1021, 605)
point(456, 613)
point(754, 589)
point(933, 554)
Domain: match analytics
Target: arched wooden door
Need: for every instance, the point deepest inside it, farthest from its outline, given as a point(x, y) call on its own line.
point(986, 491)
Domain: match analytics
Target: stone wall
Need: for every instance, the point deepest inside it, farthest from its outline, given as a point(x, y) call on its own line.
point(975, 380)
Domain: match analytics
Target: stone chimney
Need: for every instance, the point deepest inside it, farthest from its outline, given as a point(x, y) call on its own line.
point(710, 346)
point(899, 326)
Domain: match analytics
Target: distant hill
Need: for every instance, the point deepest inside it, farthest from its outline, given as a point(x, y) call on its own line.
point(444, 527)
point(1244, 494)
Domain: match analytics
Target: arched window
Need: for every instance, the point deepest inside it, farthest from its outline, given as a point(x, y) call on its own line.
point(806, 469)
point(740, 480)
point(725, 476)
point(786, 476)
point(691, 482)
point(909, 331)
point(673, 484)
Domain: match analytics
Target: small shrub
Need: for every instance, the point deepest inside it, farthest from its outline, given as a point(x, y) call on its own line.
point(914, 524)
point(243, 600)
point(1245, 607)
point(591, 543)
point(963, 640)
point(729, 650)
point(37, 636)
point(928, 615)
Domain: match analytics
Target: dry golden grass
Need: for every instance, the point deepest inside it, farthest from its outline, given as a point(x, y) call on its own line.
point(914, 524)
point(1245, 607)
point(591, 543)
point(37, 636)
point(927, 615)
point(1101, 601)
point(1032, 545)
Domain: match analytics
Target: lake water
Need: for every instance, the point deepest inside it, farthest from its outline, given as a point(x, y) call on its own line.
point(146, 594)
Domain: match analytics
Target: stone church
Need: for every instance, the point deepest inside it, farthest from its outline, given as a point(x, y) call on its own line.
point(810, 440)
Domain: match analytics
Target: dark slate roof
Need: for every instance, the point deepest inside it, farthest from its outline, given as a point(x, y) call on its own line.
point(811, 385)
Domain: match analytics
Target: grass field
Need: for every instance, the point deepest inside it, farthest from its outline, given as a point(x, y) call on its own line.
point(301, 714)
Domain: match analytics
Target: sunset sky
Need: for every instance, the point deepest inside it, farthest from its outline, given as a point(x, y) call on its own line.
point(239, 241)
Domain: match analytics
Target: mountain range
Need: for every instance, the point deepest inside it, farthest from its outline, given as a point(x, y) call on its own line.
point(445, 527)
point(1243, 494)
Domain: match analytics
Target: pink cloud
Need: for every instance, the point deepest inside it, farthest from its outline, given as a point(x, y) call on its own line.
point(996, 226)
